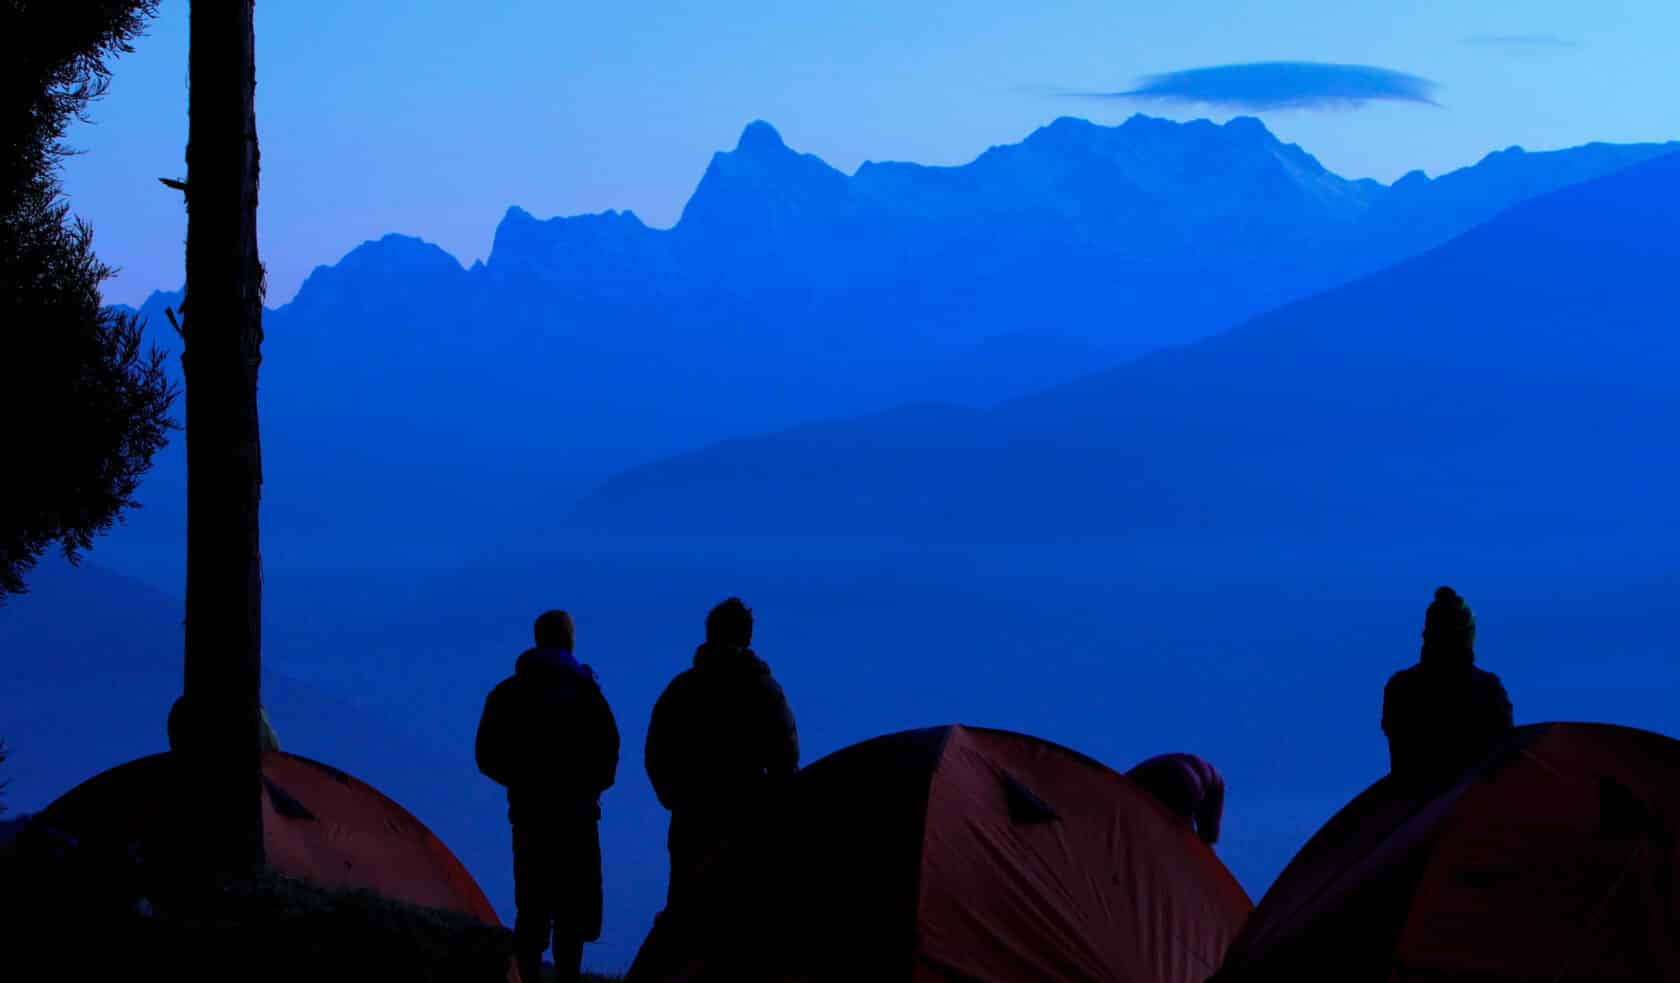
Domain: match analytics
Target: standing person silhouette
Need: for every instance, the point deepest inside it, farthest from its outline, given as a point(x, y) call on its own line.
point(548, 736)
point(1442, 714)
point(721, 734)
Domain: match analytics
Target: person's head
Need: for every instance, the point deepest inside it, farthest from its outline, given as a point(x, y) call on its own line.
point(1449, 627)
point(730, 623)
point(554, 630)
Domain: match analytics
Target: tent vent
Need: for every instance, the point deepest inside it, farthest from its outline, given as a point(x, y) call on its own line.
point(337, 776)
point(285, 803)
point(1024, 804)
point(1623, 813)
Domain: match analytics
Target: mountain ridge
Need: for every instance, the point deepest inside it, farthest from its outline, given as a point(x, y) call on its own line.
point(425, 401)
point(759, 136)
point(1470, 392)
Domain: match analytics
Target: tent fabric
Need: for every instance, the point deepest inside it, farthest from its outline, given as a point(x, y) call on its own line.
point(961, 853)
point(319, 824)
point(1553, 858)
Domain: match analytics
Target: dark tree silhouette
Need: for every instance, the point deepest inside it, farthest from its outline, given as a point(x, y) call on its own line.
point(3, 784)
point(222, 336)
point(86, 406)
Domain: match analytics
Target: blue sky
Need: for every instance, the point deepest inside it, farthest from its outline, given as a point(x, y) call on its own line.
point(373, 121)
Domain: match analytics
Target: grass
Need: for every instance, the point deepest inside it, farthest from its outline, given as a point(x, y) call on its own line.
point(345, 934)
point(73, 918)
point(76, 917)
point(265, 928)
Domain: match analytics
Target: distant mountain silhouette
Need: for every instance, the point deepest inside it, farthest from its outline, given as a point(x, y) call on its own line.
point(798, 290)
point(1515, 384)
point(406, 399)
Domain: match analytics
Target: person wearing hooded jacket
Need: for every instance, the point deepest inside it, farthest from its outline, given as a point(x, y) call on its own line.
point(1442, 714)
point(548, 736)
point(722, 734)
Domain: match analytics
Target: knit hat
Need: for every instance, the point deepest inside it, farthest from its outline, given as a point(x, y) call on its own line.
point(1448, 625)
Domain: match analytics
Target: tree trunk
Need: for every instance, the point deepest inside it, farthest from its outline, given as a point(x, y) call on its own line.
point(222, 348)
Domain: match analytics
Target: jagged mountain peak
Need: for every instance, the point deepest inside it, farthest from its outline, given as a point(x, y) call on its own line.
point(762, 172)
point(1167, 139)
point(601, 244)
point(519, 230)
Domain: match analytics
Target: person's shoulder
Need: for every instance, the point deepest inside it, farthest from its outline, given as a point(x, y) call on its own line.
point(756, 667)
point(1403, 677)
point(501, 690)
point(768, 683)
point(677, 689)
point(1487, 679)
point(589, 681)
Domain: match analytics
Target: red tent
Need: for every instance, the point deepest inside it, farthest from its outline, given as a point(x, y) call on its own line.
point(960, 853)
point(319, 824)
point(1553, 859)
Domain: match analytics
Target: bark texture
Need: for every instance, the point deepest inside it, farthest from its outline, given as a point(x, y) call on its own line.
point(220, 357)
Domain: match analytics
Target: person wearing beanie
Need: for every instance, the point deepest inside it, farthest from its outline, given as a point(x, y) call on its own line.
point(1442, 714)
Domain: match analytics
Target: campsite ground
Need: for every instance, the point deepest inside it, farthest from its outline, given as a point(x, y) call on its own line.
point(275, 927)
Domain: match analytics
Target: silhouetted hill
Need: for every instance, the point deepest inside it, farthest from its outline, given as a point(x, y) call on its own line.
point(1513, 385)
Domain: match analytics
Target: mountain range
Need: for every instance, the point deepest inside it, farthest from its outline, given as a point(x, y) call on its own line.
point(409, 402)
point(800, 290)
point(1512, 386)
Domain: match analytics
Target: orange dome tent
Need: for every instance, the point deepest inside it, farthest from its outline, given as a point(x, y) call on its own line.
point(319, 824)
point(1554, 859)
point(960, 853)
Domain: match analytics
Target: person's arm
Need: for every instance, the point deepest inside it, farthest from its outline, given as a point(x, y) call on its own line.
point(656, 752)
point(782, 739)
point(609, 743)
point(490, 745)
point(1502, 710)
point(177, 724)
point(1393, 710)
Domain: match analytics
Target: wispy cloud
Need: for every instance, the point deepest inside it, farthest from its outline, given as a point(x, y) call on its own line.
point(1269, 85)
point(1523, 42)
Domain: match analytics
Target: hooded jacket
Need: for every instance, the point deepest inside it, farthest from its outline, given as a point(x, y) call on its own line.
point(720, 729)
point(548, 736)
point(1442, 714)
